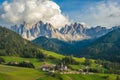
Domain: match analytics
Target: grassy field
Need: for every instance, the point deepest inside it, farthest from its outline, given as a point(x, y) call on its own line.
point(58, 56)
point(37, 63)
point(75, 77)
point(49, 53)
point(18, 73)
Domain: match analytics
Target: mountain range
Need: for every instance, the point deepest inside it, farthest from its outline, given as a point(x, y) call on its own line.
point(75, 39)
point(73, 32)
point(16, 51)
point(106, 47)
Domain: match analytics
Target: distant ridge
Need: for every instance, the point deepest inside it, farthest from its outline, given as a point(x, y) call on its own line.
point(73, 32)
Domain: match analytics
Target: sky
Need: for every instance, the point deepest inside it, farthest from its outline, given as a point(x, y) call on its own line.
point(91, 12)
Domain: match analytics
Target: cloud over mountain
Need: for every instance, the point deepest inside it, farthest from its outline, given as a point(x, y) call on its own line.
point(32, 11)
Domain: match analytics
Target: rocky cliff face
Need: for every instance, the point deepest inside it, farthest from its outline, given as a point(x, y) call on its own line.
point(37, 30)
point(71, 32)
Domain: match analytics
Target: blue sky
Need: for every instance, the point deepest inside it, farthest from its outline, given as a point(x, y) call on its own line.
point(80, 11)
point(75, 7)
point(91, 12)
point(1, 1)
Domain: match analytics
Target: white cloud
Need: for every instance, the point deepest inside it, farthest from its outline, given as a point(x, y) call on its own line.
point(104, 14)
point(32, 11)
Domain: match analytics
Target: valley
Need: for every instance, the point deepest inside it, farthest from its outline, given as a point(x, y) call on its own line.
point(59, 40)
point(33, 59)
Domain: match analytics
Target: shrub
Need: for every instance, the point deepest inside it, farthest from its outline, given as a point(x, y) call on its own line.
point(88, 62)
point(96, 70)
point(69, 60)
point(2, 60)
point(26, 64)
point(21, 64)
point(41, 56)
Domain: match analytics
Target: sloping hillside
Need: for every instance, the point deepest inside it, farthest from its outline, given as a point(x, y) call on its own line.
point(11, 44)
point(53, 45)
point(59, 46)
point(106, 47)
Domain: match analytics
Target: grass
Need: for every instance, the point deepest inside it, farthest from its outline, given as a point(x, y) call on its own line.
point(79, 77)
point(35, 61)
point(18, 73)
point(84, 77)
point(59, 56)
point(4, 76)
point(49, 53)
point(38, 63)
point(76, 67)
point(82, 60)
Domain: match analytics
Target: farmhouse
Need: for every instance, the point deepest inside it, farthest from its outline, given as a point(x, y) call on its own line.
point(46, 67)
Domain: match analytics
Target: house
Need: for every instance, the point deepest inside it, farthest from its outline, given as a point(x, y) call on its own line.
point(47, 67)
point(81, 70)
point(13, 63)
point(63, 67)
point(52, 68)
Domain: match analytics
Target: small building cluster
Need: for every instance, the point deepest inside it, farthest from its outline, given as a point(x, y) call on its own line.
point(53, 68)
point(63, 69)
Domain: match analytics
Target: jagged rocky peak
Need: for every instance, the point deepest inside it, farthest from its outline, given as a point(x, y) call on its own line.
point(97, 31)
point(116, 27)
point(73, 28)
point(43, 25)
point(98, 28)
point(73, 32)
point(38, 29)
point(25, 25)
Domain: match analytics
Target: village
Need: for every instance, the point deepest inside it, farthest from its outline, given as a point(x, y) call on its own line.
point(63, 69)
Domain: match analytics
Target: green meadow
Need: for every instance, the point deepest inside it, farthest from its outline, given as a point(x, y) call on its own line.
point(20, 73)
